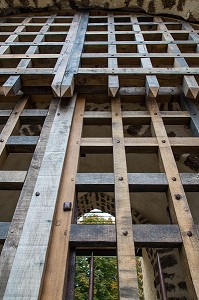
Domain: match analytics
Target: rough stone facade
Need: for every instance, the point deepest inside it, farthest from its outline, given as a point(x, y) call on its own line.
point(187, 9)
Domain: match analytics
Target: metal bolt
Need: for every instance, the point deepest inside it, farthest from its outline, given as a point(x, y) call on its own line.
point(58, 114)
point(37, 194)
point(173, 178)
point(118, 141)
point(155, 113)
point(120, 178)
point(194, 114)
point(1, 140)
point(189, 233)
point(16, 112)
point(178, 196)
point(72, 179)
point(67, 206)
point(163, 141)
point(125, 233)
point(116, 114)
point(77, 142)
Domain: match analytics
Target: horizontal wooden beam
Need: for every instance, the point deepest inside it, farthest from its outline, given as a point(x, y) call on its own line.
point(138, 182)
point(147, 235)
point(22, 144)
point(12, 180)
point(4, 226)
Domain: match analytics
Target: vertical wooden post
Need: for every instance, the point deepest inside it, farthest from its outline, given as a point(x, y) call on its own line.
point(54, 285)
point(179, 208)
point(127, 275)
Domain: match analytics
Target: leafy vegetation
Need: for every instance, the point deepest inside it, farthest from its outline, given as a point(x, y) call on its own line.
point(105, 272)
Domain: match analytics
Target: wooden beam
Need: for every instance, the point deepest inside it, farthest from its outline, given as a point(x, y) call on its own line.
point(127, 276)
point(16, 227)
point(180, 211)
point(56, 265)
point(113, 81)
point(58, 86)
point(12, 86)
point(189, 85)
point(187, 104)
point(4, 226)
point(29, 264)
point(12, 180)
point(67, 85)
point(147, 235)
point(138, 182)
point(9, 127)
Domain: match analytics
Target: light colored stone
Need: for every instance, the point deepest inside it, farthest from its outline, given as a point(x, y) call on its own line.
point(187, 9)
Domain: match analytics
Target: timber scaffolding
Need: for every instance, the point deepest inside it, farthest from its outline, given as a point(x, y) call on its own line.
point(66, 60)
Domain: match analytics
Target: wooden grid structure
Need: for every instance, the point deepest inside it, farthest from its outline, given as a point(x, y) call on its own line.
point(65, 59)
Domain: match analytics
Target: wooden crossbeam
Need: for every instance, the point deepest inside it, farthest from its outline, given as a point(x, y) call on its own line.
point(12, 180)
point(28, 266)
point(70, 56)
point(127, 277)
point(180, 211)
point(13, 84)
point(9, 127)
point(138, 182)
point(4, 226)
point(113, 80)
point(152, 85)
point(189, 85)
point(153, 236)
point(188, 105)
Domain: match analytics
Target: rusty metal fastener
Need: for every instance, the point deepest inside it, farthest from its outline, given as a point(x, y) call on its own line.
point(37, 193)
point(178, 196)
point(173, 178)
point(155, 113)
point(125, 232)
point(189, 233)
point(116, 114)
point(121, 178)
point(67, 206)
point(163, 141)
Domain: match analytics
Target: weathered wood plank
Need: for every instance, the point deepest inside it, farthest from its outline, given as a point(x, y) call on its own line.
point(55, 275)
point(113, 81)
point(127, 277)
point(29, 264)
point(21, 144)
point(180, 211)
point(147, 235)
point(4, 226)
point(9, 127)
point(189, 85)
point(62, 62)
point(67, 85)
point(12, 241)
point(187, 104)
point(151, 85)
point(138, 182)
point(12, 180)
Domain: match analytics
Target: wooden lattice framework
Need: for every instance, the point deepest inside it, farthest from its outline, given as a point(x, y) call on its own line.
point(65, 59)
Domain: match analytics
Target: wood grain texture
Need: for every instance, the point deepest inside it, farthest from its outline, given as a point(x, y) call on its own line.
point(29, 264)
point(180, 211)
point(14, 234)
point(55, 275)
point(127, 275)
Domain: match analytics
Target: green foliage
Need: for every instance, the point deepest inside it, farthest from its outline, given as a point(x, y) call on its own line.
point(105, 272)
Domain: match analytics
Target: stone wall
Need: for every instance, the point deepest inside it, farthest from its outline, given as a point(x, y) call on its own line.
point(187, 9)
